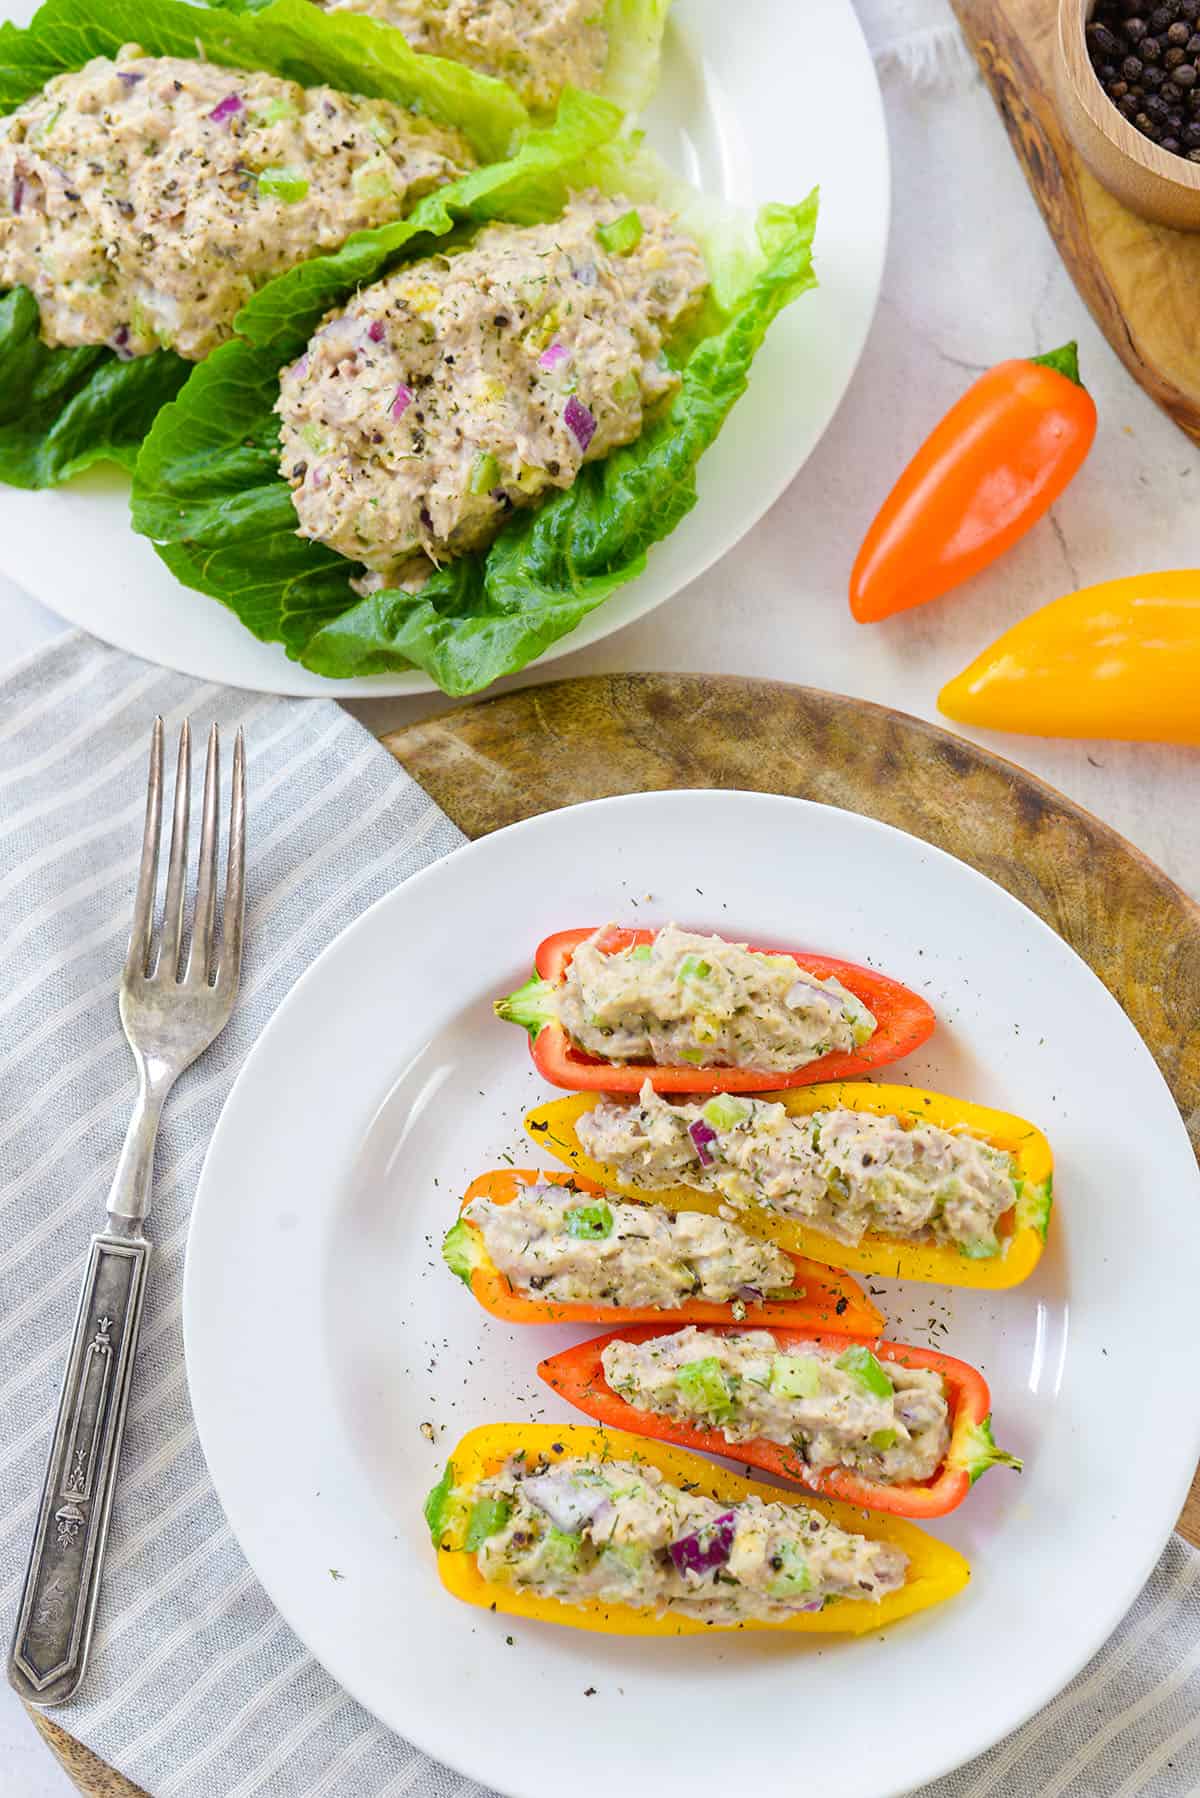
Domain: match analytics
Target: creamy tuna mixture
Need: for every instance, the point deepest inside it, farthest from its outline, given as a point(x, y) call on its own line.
point(465, 385)
point(142, 201)
point(561, 1245)
point(537, 46)
point(698, 999)
point(620, 1533)
point(843, 1172)
point(832, 1407)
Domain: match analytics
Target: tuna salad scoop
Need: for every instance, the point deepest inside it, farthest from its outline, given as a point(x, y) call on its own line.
point(832, 1408)
point(620, 1533)
point(691, 998)
point(537, 46)
point(143, 200)
point(842, 1172)
point(561, 1246)
point(469, 383)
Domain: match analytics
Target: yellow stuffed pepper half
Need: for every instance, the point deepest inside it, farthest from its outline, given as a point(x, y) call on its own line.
point(600, 1530)
point(990, 1169)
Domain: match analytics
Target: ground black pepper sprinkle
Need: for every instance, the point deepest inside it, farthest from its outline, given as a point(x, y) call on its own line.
point(1148, 63)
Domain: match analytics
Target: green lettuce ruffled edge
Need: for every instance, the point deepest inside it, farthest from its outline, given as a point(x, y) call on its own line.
point(635, 35)
point(208, 493)
point(62, 410)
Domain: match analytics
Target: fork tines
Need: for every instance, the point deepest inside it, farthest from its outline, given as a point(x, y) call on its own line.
point(212, 958)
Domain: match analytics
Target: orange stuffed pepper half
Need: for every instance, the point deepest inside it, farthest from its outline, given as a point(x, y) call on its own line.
point(555, 1248)
point(603, 1531)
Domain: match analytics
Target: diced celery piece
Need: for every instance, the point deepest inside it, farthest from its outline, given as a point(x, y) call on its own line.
point(288, 185)
point(275, 111)
point(693, 968)
point(590, 1223)
point(704, 1386)
point(725, 1112)
point(623, 235)
point(796, 1376)
point(793, 1577)
point(641, 952)
point(862, 1364)
point(373, 181)
point(882, 1439)
point(485, 473)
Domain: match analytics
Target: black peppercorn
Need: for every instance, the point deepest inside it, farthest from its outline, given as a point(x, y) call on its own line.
point(1131, 68)
point(1156, 108)
point(1147, 127)
point(1159, 19)
point(1149, 49)
point(1172, 59)
point(1102, 42)
point(1191, 137)
point(1152, 79)
point(1170, 143)
point(1171, 92)
point(1118, 90)
point(1193, 155)
point(1185, 76)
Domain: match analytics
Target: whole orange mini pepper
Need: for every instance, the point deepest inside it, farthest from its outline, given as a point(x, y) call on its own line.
point(997, 461)
point(1121, 660)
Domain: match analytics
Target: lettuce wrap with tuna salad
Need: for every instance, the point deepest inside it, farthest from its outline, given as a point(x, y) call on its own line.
point(540, 47)
point(210, 493)
point(67, 407)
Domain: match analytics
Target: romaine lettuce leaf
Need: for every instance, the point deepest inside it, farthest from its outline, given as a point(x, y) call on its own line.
point(635, 33)
point(208, 492)
point(63, 409)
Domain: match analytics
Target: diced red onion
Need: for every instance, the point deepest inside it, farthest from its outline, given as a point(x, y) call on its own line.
point(579, 422)
point(817, 1604)
point(299, 369)
point(750, 1295)
point(691, 1555)
point(131, 78)
point(121, 342)
point(225, 109)
point(552, 355)
point(318, 477)
point(18, 192)
point(702, 1134)
point(565, 1502)
point(800, 993)
point(375, 330)
point(585, 274)
point(402, 401)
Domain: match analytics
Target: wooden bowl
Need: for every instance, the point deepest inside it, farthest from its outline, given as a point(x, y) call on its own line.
point(1154, 183)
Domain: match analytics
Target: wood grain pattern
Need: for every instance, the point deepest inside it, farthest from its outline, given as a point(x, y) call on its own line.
point(492, 764)
point(1139, 280)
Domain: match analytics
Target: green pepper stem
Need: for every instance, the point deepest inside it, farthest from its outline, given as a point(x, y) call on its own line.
point(1064, 361)
point(531, 1006)
point(979, 1452)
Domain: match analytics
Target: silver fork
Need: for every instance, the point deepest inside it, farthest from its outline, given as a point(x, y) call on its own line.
point(171, 1011)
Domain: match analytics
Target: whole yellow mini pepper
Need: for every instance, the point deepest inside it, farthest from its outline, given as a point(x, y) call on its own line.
point(1121, 659)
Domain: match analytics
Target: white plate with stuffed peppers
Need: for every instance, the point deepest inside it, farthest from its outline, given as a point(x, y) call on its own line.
point(946, 1164)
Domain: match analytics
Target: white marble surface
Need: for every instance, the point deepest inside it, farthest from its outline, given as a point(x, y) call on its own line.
point(971, 277)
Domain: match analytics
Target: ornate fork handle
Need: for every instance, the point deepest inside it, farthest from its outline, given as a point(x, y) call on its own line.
point(62, 1583)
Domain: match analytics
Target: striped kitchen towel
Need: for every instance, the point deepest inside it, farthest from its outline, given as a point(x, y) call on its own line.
point(197, 1688)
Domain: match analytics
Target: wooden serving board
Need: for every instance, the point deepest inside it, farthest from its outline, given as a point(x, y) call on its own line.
point(1139, 279)
point(492, 764)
